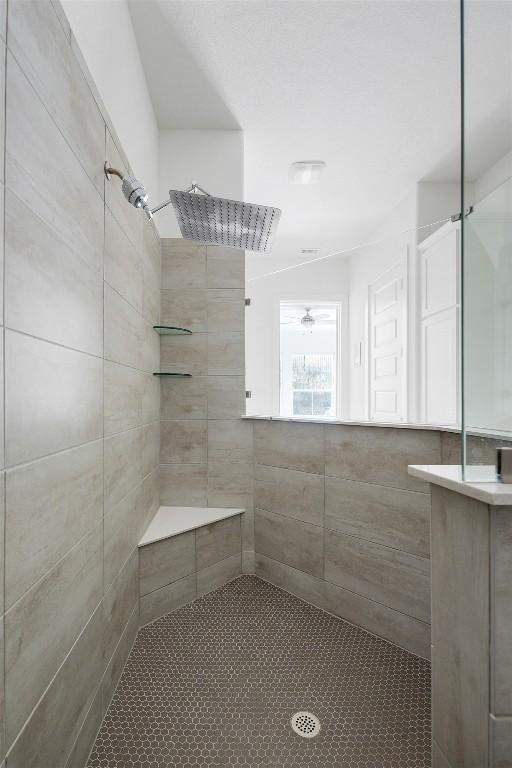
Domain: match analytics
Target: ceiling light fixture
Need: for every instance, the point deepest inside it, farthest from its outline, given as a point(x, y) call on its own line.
point(307, 321)
point(306, 171)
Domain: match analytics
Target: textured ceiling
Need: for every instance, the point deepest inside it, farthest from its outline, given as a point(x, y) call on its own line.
point(371, 87)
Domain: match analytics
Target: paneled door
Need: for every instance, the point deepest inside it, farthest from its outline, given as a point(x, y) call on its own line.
point(440, 311)
point(387, 329)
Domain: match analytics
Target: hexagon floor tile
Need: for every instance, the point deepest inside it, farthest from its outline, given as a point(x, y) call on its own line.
point(215, 684)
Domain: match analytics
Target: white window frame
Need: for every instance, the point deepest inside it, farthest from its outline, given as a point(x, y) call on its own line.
point(342, 344)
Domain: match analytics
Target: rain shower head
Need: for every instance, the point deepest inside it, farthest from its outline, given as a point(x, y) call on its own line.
point(208, 219)
point(219, 221)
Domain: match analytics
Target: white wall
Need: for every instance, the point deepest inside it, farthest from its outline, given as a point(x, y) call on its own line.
point(496, 175)
point(105, 35)
point(212, 158)
point(389, 245)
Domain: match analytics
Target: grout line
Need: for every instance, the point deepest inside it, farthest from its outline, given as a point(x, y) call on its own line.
point(87, 535)
point(343, 533)
point(61, 665)
point(56, 125)
point(347, 621)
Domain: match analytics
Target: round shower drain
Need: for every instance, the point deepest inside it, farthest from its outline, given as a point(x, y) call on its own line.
point(305, 724)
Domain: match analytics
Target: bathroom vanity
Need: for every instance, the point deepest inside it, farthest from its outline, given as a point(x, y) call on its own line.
point(471, 555)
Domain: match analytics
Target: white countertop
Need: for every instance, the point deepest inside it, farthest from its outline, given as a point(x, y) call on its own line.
point(450, 476)
point(348, 423)
point(171, 521)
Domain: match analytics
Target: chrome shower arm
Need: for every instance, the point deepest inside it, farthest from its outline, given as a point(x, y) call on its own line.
point(193, 188)
point(162, 205)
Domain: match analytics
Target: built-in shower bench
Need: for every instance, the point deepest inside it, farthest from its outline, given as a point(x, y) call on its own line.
point(184, 553)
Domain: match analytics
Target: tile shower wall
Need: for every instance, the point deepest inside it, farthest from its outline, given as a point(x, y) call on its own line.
point(206, 448)
point(80, 478)
point(339, 522)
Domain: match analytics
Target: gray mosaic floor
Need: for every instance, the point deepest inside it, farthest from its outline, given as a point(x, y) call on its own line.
point(215, 684)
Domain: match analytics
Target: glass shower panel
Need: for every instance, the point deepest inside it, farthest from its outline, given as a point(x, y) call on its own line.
point(486, 235)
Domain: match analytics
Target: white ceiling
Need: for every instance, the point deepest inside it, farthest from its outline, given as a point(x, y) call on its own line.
point(369, 86)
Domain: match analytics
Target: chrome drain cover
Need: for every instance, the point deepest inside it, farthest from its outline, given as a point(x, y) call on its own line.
point(305, 724)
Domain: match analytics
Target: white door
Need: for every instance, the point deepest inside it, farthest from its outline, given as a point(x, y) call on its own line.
point(387, 367)
point(439, 259)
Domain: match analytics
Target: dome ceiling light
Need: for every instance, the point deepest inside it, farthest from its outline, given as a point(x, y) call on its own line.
point(306, 171)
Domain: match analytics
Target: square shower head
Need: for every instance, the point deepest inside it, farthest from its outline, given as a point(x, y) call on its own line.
point(218, 221)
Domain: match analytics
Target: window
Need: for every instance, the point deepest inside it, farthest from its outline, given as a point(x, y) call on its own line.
point(308, 359)
point(313, 383)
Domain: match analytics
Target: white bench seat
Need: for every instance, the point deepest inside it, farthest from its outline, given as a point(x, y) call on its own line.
point(171, 521)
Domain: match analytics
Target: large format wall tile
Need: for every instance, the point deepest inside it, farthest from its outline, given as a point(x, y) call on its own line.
point(123, 391)
point(167, 599)
point(501, 739)
point(166, 561)
point(50, 291)
point(185, 354)
point(45, 174)
point(117, 661)
point(290, 541)
point(290, 493)
point(226, 311)
point(185, 308)
point(225, 267)
point(183, 264)
point(2, 198)
point(42, 626)
point(53, 398)
point(131, 220)
point(460, 608)
point(438, 759)
point(150, 397)
point(150, 500)
point(50, 505)
point(151, 299)
point(121, 533)
point(292, 446)
point(217, 541)
point(380, 454)
point(226, 356)
point(183, 442)
point(64, 706)
point(150, 349)
point(501, 610)
point(123, 330)
point(123, 465)
point(2, 401)
point(230, 486)
point(380, 573)
point(229, 441)
point(123, 265)
point(150, 447)
point(118, 603)
point(39, 43)
point(85, 739)
point(389, 516)
point(183, 485)
point(184, 398)
point(226, 397)
point(218, 574)
point(3, 21)
point(403, 630)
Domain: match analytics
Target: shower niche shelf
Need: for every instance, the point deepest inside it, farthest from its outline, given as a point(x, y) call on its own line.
point(175, 375)
point(171, 330)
